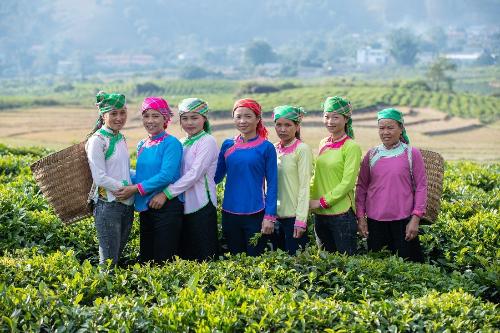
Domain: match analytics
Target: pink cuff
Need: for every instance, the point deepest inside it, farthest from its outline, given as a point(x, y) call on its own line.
point(271, 218)
point(141, 189)
point(323, 203)
point(418, 213)
point(300, 224)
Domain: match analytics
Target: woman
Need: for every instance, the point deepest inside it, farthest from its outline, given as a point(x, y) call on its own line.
point(294, 175)
point(391, 195)
point(109, 163)
point(158, 165)
point(336, 170)
point(248, 160)
point(199, 227)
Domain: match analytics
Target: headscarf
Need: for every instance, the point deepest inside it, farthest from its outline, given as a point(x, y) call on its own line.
point(257, 109)
point(396, 115)
point(196, 105)
point(107, 103)
point(341, 106)
point(293, 113)
point(160, 105)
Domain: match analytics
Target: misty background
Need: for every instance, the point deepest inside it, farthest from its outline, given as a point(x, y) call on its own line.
point(239, 39)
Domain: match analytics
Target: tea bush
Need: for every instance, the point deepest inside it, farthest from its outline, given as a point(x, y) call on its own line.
point(50, 280)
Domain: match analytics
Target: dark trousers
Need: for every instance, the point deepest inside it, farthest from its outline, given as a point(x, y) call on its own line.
point(113, 221)
point(337, 233)
point(199, 234)
point(238, 229)
point(282, 237)
point(160, 231)
point(391, 234)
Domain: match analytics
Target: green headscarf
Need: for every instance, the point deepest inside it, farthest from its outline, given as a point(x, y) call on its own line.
point(396, 115)
point(341, 106)
point(293, 113)
point(106, 103)
point(195, 105)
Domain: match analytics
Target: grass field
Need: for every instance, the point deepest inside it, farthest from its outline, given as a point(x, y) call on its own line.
point(58, 127)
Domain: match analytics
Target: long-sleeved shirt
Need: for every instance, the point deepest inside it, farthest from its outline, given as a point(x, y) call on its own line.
point(386, 192)
point(108, 174)
point(158, 165)
point(248, 165)
point(199, 163)
point(335, 174)
point(295, 163)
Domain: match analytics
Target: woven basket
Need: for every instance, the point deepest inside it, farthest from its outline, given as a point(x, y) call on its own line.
point(65, 180)
point(434, 169)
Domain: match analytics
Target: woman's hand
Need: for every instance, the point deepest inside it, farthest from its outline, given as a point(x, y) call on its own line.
point(298, 232)
point(314, 204)
point(412, 228)
point(267, 227)
point(158, 201)
point(363, 227)
point(125, 192)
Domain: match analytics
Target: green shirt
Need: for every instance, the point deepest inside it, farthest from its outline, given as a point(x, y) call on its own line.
point(294, 175)
point(335, 175)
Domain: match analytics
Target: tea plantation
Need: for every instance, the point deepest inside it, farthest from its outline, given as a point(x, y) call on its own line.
point(49, 280)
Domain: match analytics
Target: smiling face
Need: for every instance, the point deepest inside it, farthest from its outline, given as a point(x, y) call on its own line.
point(115, 119)
point(153, 122)
point(286, 130)
point(335, 123)
point(192, 122)
point(246, 121)
point(389, 131)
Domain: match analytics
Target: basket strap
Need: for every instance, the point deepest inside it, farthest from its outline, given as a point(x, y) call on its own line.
point(410, 163)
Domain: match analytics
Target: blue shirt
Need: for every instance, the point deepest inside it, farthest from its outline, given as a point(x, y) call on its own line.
point(247, 165)
point(158, 165)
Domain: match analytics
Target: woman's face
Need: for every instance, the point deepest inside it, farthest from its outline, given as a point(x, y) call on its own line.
point(334, 123)
point(192, 122)
point(115, 119)
point(245, 120)
point(389, 131)
point(285, 129)
point(153, 122)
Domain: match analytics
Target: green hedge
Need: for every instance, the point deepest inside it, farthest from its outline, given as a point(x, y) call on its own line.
point(49, 280)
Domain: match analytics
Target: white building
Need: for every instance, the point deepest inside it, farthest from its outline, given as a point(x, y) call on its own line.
point(369, 56)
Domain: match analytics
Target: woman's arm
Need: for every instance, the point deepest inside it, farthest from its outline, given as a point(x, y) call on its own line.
point(96, 156)
point(220, 173)
point(206, 154)
point(304, 164)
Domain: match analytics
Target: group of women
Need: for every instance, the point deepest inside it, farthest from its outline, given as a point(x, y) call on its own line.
point(269, 188)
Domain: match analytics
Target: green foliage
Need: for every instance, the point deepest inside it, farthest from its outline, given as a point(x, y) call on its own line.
point(49, 280)
point(403, 46)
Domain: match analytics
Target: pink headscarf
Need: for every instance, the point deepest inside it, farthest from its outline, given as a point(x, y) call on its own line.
point(160, 105)
point(257, 109)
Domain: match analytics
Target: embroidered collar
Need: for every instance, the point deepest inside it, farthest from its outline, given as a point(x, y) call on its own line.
point(334, 144)
point(189, 141)
point(381, 151)
point(240, 144)
point(285, 150)
point(152, 141)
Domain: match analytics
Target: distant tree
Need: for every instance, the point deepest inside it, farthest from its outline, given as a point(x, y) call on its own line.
point(438, 76)
point(193, 72)
point(403, 46)
point(437, 38)
point(259, 52)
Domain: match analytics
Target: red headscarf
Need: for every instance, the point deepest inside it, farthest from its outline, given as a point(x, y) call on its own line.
point(257, 109)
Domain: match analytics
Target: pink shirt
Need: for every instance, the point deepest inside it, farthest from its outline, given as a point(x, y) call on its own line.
point(385, 193)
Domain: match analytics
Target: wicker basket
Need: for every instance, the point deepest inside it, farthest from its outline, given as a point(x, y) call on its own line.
point(65, 181)
point(434, 169)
